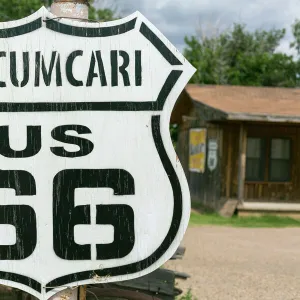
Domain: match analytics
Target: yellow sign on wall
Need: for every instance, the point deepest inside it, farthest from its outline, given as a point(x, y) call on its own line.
point(197, 150)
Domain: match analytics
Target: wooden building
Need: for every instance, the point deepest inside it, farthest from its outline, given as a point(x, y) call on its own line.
point(251, 149)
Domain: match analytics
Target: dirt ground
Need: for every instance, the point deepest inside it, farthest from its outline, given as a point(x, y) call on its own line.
point(241, 263)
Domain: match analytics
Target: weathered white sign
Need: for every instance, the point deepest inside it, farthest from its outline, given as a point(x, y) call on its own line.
point(212, 144)
point(90, 187)
point(212, 157)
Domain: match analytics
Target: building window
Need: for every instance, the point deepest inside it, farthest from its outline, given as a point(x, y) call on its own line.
point(280, 160)
point(255, 160)
point(268, 159)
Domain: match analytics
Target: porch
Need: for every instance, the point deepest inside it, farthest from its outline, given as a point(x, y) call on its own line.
point(260, 162)
point(257, 132)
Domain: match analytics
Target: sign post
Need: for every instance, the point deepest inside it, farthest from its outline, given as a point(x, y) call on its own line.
point(90, 187)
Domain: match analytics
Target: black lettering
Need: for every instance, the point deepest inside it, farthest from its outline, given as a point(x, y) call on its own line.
point(48, 74)
point(125, 65)
point(2, 83)
point(22, 217)
point(13, 69)
point(66, 216)
point(58, 72)
point(69, 68)
point(34, 143)
point(59, 134)
point(101, 69)
point(92, 73)
point(115, 68)
point(37, 68)
point(122, 218)
point(138, 68)
point(26, 69)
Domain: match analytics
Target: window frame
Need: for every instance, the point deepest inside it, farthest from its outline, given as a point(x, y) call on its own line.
point(289, 177)
point(266, 160)
point(262, 167)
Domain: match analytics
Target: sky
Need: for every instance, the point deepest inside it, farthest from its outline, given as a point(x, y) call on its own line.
point(178, 18)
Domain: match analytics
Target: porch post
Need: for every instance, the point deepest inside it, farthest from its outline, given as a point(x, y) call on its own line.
point(242, 162)
point(229, 166)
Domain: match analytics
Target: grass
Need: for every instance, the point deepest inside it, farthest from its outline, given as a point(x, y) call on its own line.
point(201, 208)
point(187, 296)
point(266, 221)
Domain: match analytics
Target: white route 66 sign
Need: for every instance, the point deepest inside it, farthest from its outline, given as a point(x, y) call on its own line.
point(90, 188)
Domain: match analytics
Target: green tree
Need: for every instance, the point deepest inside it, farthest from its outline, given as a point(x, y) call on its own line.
point(17, 9)
point(240, 57)
point(102, 14)
point(296, 32)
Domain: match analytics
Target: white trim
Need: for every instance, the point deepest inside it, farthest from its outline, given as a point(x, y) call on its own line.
point(269, 206)
point(263, 118)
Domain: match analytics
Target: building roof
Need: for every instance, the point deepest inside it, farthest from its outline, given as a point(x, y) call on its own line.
point(249, 103)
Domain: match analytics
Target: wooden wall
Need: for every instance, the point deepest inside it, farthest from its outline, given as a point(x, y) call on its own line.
point(260, 191)
point(7, 293)
point(205, 188)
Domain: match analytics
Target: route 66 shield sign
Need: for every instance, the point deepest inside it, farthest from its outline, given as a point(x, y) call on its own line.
point(90, 187)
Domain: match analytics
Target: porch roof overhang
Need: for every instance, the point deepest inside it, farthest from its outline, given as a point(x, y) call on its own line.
point(249, 104)
point(263, 118)
point(213, 114)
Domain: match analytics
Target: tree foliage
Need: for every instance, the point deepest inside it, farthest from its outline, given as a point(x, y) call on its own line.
point(296, 32)
point(17, 9)
point(241, 57)
point(103, 14)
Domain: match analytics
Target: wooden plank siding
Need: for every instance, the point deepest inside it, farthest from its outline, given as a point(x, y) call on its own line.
point(264, 191)
point(205, 188)
point(230, 152)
